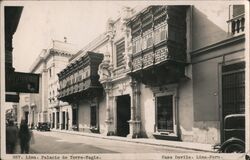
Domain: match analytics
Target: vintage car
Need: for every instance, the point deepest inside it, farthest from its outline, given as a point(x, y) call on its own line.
point(234, 134)
point(43, 126)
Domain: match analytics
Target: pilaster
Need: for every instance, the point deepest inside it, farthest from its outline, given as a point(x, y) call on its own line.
point(110, 129)
point(135, 120)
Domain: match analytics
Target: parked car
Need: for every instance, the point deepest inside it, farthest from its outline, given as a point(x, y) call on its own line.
point(234, 134)
point(43, 126)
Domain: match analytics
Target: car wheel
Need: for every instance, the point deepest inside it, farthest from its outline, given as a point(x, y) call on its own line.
point(234, 148)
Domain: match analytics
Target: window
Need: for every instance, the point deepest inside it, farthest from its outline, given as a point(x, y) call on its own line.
point(165, 114)
point(233, 89)
point(93, 119)
point(136, 46)
point(74, 116)
point(160, 33)
point(50, 72)
point(53, 120)
point(57, 120)
point(120, 49)
point(238, 10)
point(147, 40)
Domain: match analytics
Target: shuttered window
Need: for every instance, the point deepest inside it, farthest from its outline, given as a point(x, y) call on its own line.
point(160, 33)
point(136, 45)
point(147, 41)
point(120, 49)
point(238, 10)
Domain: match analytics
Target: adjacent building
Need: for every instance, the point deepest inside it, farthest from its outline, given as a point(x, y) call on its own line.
point(49, 62)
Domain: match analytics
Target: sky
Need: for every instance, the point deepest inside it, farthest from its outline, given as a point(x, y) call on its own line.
point(79, 21)
point(40, 22)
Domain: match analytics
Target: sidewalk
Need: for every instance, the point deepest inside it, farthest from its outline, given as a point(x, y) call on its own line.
point(174, 144)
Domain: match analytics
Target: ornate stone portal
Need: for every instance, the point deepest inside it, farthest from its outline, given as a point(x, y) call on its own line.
point(118, 84)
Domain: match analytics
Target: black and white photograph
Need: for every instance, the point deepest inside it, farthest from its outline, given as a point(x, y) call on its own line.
point(129, 80)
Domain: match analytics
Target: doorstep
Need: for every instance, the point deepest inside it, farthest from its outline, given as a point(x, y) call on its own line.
point(149, 141)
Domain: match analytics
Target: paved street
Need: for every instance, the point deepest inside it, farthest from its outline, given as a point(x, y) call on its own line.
point(58, 143)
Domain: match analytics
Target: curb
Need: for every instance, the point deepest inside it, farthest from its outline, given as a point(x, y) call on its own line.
point(134, 141)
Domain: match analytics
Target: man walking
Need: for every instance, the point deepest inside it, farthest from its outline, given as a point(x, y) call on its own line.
point(24, 136)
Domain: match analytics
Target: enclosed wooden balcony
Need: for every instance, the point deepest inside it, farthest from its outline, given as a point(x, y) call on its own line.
point(80, 78)
point(158, 44)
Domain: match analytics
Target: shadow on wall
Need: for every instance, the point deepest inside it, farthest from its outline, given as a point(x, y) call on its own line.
point(209, 25)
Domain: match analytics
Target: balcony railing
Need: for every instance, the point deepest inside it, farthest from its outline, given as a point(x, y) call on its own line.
point(75, 84)
point(237, 24)
point(75, 87)
point(160, 55)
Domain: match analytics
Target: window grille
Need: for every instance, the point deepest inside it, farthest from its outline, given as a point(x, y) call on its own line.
point(120, 49)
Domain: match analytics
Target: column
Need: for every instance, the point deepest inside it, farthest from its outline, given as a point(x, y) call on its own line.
point(135, 123)
point(109, 111)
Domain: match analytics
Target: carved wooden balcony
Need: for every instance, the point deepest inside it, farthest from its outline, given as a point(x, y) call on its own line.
point(85, 82)
point(159, 44)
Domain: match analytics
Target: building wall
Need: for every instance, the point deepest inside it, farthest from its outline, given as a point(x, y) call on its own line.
point(147, 111)
point(207, 95)
point(199, 95)
point(66, 109)
point(199, 113)
point(102, 114)
point(209, 24)
point(185, 108)
point(56, 63)
point(37, 99)
point(84, 116)
point(24, 100)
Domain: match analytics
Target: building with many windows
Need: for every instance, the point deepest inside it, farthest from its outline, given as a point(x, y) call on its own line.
point(166, 72)
point(50, 62)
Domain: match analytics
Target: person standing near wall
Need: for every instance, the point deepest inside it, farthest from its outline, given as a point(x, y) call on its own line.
point(24, 137)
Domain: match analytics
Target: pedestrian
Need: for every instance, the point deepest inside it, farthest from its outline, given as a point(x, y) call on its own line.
point(11, 137)
point(24, 137)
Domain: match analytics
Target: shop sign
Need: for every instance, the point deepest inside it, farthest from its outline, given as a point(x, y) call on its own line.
point(22, 82)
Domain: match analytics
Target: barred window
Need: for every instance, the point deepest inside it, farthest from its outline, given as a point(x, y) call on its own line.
point(120, 49)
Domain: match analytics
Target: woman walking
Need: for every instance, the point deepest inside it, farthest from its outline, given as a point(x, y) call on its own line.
point(24, 137)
